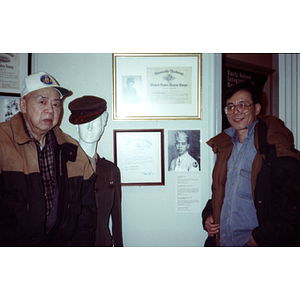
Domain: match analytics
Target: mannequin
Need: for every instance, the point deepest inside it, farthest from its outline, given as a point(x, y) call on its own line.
point(90, 117)
point(90, 133)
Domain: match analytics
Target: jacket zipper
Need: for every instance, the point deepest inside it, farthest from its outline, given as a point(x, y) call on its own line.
point(60, 167)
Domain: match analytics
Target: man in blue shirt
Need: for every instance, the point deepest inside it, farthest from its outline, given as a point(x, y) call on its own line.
point(237, 214)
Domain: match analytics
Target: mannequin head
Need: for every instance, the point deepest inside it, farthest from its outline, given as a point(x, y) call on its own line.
point(89, 115)
point(91, 132)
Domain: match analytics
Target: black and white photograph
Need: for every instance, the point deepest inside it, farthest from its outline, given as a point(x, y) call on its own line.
point(132, 89)
point(184, 150)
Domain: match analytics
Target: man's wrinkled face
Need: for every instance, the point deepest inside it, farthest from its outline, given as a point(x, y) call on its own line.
point(41, 110)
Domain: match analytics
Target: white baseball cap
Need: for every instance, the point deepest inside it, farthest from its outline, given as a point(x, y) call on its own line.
point(41, 80)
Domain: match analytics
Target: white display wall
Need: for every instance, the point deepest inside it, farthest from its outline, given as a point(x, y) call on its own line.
point(149, 212)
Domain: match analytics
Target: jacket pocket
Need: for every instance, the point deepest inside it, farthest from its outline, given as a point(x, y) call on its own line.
point(69, 226)
point(73, 211)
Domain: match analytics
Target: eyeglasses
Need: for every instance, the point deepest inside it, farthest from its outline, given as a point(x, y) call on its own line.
point(241, 107)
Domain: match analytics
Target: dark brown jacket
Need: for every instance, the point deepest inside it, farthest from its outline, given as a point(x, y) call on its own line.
point(277, 135)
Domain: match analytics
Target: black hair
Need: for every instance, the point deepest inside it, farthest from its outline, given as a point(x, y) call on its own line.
point(243, 86)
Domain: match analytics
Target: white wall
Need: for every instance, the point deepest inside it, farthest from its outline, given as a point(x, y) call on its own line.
point(149, 217)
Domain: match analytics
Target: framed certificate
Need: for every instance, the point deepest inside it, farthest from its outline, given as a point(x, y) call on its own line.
point(139, 156)
point(14, 67)
point(156, 86)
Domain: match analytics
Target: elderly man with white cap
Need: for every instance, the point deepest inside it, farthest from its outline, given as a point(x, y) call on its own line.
point(46, 181)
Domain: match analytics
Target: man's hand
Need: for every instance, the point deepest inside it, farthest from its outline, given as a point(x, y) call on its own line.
point(251, 242)
point(210, 227)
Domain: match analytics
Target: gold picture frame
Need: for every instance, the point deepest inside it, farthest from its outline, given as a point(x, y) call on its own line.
point(157, 86)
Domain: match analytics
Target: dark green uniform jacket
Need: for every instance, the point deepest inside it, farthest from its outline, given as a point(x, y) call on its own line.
point(108, 201)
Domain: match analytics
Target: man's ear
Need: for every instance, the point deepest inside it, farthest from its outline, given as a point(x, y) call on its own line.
point(22, 105)
point(257, 109)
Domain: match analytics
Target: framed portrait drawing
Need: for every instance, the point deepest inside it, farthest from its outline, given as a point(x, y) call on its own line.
point(9, 106)
point(139, 154)
point(156, 86)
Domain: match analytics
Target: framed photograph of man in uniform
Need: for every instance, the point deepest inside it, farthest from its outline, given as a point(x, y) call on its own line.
point(184, 150)
point(139, 154)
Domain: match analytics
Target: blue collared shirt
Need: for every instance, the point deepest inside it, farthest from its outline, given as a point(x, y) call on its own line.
point(238, 214)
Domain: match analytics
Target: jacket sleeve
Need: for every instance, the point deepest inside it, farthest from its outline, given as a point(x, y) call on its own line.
point(280, 218)
point(207, 211)
point(117, 213)
point(87, 221)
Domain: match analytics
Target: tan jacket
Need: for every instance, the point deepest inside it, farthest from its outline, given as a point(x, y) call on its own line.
point(22, 205)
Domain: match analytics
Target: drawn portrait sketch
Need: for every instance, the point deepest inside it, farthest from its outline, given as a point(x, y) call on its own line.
point(11, 107)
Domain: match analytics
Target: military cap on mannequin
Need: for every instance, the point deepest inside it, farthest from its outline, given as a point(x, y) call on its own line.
point(86, 109)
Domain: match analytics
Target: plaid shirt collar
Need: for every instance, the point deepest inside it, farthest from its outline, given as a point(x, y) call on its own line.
point(47, 137)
